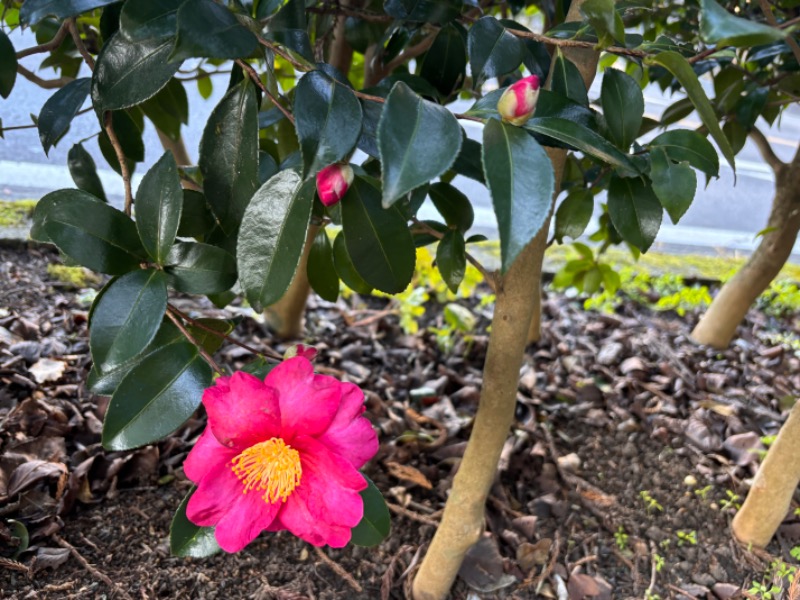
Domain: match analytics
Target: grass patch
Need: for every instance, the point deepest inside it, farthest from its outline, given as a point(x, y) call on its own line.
point(16, 213)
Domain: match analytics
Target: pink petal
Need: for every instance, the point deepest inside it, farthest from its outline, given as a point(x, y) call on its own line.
point(247, 517)
point(206, 454)
point(351, 435)
point(308, 402)
point(218, 490)
point(242, 410)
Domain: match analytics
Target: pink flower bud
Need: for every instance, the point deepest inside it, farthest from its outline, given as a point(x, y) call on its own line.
point(333, 182)
point(518, 102)
point(308, 352)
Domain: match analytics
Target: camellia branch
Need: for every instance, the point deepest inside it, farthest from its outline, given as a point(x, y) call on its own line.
point(768, 14)
point(767, 153)
point(76, 37)
point(45, 84)
point(47, 46)
point(123, 162)
point(257, 80)
point(206, 356)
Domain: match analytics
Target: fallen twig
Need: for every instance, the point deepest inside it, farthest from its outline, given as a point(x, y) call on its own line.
point(339, 570)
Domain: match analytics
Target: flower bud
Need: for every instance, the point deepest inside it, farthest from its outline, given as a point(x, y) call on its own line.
point(518, 102)
point(308, 352)
point(333, 182)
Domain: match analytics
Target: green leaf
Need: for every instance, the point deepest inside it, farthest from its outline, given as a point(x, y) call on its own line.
point(189, 540)
point(321, 270)
point(567, 80)
point(573, 214)
point(19, 531)
point(718, 26)
point(210, 341)
point(418, 140)
point(8, 65)
point(126, 317)
point(583, 139)
point(207, 29)
point(486, 106)
point(445, 64)
point(327, 118)
point(33, 11)
point(146, 19)
point(200, 268)
point(272, 237)
point(673, 184)
point(493, 51)
point(521, 181)
point(159, 201)
point(345, 268)
point(229, 155)
point(129, 135)
point(683, 72)
point(196, 217)
point(676, 111)
point(378, 240)
point(84, 172)
point(156, 397)
point(169, 109)
point(128, 73)
point(59, 110)
point(376, 523)
point(623, 107)
point(634, 210)
point(684, 145)
point(602, 15)
point(289, 27)
point(426, 11)
point(451, 259)
point(468, 162)
point(205, 87)
point(92, 233)
point(453, 205)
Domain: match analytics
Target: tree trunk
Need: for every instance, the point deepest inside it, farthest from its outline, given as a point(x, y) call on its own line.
point(718, 325)
point(773, 487)
point(517, 293)
point(340, 54)
point(285, 317)
point(177, 147)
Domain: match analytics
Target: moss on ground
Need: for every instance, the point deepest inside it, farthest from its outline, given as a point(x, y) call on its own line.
point(15, 213)
point(74, 276)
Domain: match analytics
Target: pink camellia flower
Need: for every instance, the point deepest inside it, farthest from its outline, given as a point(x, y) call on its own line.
point(282, 453)
point(333, 182)
point(518, 102)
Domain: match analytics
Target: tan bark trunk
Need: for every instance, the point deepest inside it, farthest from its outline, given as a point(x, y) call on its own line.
point(718, 325)
point(285, 317)
point(773, 487)
point(341, 54)
point(177, 147)
point(463, 518)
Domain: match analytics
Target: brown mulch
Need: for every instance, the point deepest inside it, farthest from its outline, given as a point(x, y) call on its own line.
point(632, 446)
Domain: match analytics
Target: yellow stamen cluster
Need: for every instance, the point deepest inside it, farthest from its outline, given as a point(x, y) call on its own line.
point(271, 466)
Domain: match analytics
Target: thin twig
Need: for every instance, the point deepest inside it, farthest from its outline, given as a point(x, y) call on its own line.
point(123, 162)
point(404, 512)
point(206, 356)
point(34, 125)
point(76, 37)
point(85, 564)
point(338, 570)
point(47, 46)
point(45, 84)
point(257, 80)
point(767, 10)
point(410, 52)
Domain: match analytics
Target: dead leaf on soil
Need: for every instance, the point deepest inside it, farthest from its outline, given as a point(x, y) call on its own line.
point(32, 471)
point(533, 555)
point(582, 586)
point(482, 568)
point(408, 473)
point(50, 558)
point(46, 369)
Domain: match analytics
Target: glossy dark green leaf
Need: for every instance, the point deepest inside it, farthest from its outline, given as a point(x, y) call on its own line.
point(156, 397)
point(345, 268)
point(445, 63)
point(189, 540)
point(8, 65)
point(573, 214)
point(493, 51)
point(690, 146)
point(376, 522)
point(210, 333)
point(159, 201)
point(676, 111)
point(418, 141)
point(718, 26)
point(634, 210)
point(623, 107)
point(272, 237)
point(92, 233)
point(33, 11)
point(453, 205)
point(683, 72)
point(605, 19)
point(567, 80)
point(750, 107)
point(486, 106)
point(520, 178)
point(229, 155)
point(321, 270)
point(196, 216)
point(126, 317)
point(128, 73)
point(148, 19)
point(378, 240)
point(468, 162)
point(327, 119)
point(207, 29)
point(451, 259)
point(425, 11)
point(267, 167)
point(197, 268)
point(59, 110)
point(84, 171)
point(130, 140)
point(288, 27)
point(673, 183)
point(169, 109)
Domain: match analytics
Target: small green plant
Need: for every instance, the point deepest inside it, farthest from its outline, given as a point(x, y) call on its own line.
point(664, 544)
point(621, 538)
point(780, 299)
point(732, 501)
point(702, 493)
point(687, 537)
point(658, 560)
point(650, 502)
point(764, 591)
point(651, 595)
point(795, 553)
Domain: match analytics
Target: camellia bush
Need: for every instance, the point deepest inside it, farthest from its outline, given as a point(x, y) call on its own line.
point(336, 127)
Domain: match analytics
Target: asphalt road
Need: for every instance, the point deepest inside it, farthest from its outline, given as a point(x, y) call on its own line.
point(723, 216)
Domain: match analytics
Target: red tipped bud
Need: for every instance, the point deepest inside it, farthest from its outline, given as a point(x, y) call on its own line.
point(308, 352)
point(518, 102)
point(333, 182)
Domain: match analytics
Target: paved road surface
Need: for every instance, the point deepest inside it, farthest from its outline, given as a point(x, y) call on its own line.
point(723, 216)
